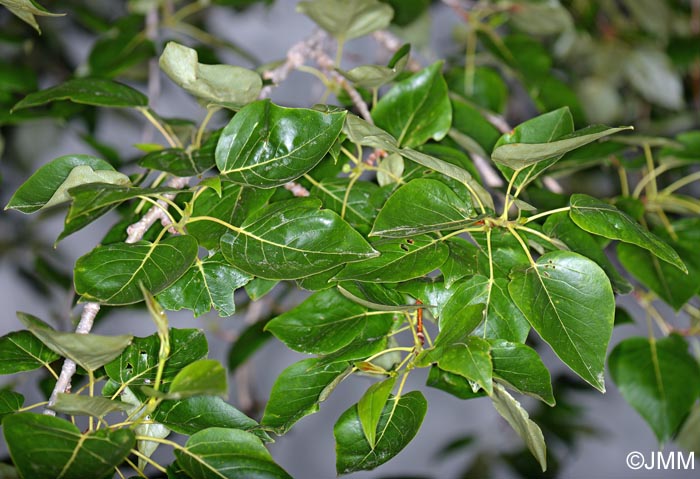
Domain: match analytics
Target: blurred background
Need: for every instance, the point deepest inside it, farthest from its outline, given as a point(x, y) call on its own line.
point(635, 63)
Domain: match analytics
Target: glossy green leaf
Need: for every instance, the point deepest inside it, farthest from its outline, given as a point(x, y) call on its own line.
point(452, 383)
point(520, 155)
point(430, 291)
point(178, 162)
point(468, 357)
point(202, 377)
point(80, 405)
point(517, 417)
point(26, 9)
point(568, 299)
point(266, 145)
point(501, 318)
point(324, 323)
point(399, 260)
point(292, 239)
point(10, 402)
point(371, 406)
point(374, 76)
point(520, 367)
point(348, 20)
point(88, 91)
point(226, 85)
point(233, 205)
point(416, 109)
point(361, 205)
point(194, 414)
point(91, 351)
point(56, 448)
point(399, 423)
point(208, 283)
point(22, 351)
point(460, 262)
point(111, 274)
point(602, 219)
point(46, 186)
point(561, 226)
point(219, 453)
point(138, 363)
point(422, 206)
point(660, 379)
point(298, 391)
point(375, 296)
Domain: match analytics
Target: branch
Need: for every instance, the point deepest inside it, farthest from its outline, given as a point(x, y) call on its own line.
point(135, 233)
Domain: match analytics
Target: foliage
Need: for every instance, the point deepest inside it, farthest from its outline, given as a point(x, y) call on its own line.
point(428, 233)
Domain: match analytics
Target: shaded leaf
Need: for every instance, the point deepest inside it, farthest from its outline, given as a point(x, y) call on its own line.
point(374, 76)
point(348, 20)
point(22, 351)
point(10, 402)
point(80, 405)
point(88, 91)
point(371, 406)
point(452, 383)
point(248, 343)
point(521, 368)
point(202, 377)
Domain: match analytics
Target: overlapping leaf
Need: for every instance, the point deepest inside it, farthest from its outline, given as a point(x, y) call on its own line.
point(348, 20)
point(88, 91)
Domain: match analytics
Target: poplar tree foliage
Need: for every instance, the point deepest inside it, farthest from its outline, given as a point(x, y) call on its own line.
point(411, 259)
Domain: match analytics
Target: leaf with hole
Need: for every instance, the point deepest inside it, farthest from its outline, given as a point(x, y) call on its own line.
point(111, 274)
point(568, 299)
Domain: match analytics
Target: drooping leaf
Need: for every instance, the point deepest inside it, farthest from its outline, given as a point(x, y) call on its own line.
point(416, 109)
point(292, 239)
point(568, 299)
point(517, 417)
point(348, 20)
point(399, 260)
point(47, 186)
point(561, 226)
point(520, 367)
point(10, 402)
point(659, 378)
point(88, 91)
point(194, 414)
point(602, 219)
point(26, 9)
point(422, 206)
point(298, 391)
point(371, 406)
point(324, 323)
point(56, 448)
point(226, 85)
point(208, 283)
point(22, 351)
point(398, 424)
point(374, 76)
point(138, 363)
point(452, 383)
point(266, 145)
point(111, 274)
point(220, 453)
point(81, 405)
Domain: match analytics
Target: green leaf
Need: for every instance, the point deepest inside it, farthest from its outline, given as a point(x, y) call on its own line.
point(452, 383)
point(689, 435)
point(501, 318)
point(650, 72)
point(56, 448)
point(659, 378)
point(520, 367)
point(10, 402)
point(208, 283)
point(520, 155)
point(348, 20)
point(138, 363)
point(298, 391)
point(178, 162)
point(561, 226)
point(48, 185)
point(416, 109)
point(79, 405)
point(122, 49)
point(602, 219)
point(88, 91)
point(469, 357)
point(233, 205)
point(488, 90)
point(227, 85)
point(202, 377)
point(249, 341)
point(461, 261)
point(218, 453)
point(542, 18)
point(422, 206)
point(399, 260)
point(371, 406)
point(266, 145)
point(374, 76)
point(517, 417)
point(324, 323)
point(467, 120)
point(26, 9)
point(194, 414)
point(292, 239)
point(22, 351)
point(568, 299)
point(361, 205)
point(111, 274)
point(398, 424)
